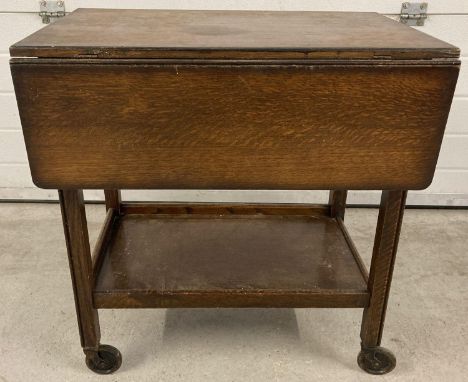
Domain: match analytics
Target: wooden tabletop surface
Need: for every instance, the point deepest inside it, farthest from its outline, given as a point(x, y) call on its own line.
point(110, 33)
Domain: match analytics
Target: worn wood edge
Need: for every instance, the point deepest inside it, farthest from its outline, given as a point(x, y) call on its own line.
point(231, 299)
point(17, 50)
point(225, 209)
point(353, 249)
point(104, 237)
point(216, 62)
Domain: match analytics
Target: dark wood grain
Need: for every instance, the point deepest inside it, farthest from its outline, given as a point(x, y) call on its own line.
point(188, 260)
point(79, 255)
point(114, 33)
point(383, 259)
point(117, 126)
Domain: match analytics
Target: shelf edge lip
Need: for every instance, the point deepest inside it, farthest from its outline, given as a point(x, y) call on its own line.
point(233, 291)
point(217, 300)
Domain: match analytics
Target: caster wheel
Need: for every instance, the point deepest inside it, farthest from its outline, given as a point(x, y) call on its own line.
point(376, 360)
point(105, 361)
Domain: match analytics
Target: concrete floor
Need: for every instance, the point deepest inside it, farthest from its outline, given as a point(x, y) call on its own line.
point(426, 323)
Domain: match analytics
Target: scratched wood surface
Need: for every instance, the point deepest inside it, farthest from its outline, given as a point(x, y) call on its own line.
point(173, 259)
point(120, 125)
point(229, 34)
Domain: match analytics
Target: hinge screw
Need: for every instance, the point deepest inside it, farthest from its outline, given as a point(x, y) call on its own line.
point(43, 3)
point(60, 3)
point(405, 5)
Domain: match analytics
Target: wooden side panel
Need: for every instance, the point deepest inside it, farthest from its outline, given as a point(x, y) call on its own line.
point(117, 126)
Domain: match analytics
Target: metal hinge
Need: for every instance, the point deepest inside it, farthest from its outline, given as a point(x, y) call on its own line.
point(50, 9)
point(413, 14)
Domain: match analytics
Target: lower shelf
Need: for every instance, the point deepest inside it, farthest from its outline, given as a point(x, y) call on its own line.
point(244, 258)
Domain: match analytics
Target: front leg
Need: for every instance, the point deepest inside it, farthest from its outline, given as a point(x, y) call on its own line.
point(373, 358)
point(102, 359)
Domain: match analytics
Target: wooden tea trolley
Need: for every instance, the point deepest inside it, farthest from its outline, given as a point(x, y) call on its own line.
point(140, 99)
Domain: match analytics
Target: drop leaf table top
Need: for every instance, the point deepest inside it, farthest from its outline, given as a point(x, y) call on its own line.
point(159, 99)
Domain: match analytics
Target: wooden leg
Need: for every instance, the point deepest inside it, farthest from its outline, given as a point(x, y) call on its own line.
point(113, 199)
point(373, 358)
point(337, 202)
point(102, 359)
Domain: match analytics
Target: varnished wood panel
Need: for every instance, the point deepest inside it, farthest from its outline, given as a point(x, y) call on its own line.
point(175, 126)
point(191, 260)
point(229, 34)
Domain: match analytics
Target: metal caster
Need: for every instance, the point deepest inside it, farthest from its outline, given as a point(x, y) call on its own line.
point(376, 360)
point(104, 361)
